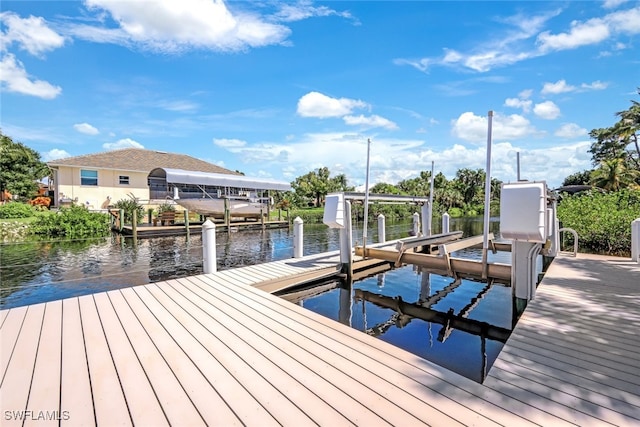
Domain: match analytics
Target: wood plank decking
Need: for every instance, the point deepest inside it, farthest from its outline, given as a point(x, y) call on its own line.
point(575, 352)
point(213, 350)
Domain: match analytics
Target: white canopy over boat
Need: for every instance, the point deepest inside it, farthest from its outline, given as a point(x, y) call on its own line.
point(179, 176)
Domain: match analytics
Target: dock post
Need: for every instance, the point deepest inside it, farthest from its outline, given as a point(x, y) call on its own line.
point(297, 237)
point(186, 221)
point(425, 210)
point(523, 268)
point(209, 247)
point(134, 225)
point(415, 228)
point(227, 213)
point(346, 242)
point(635, 240)
point(120, 220)
point(150, 216)
point(382, 234)
point(445, 223)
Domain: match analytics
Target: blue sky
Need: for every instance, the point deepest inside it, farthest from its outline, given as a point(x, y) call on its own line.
point(276, 89)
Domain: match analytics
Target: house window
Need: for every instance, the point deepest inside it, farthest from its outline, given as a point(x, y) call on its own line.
point(88, 177)
point(123, 180)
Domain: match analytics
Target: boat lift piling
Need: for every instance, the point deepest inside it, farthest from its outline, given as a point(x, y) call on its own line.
point(337, 214)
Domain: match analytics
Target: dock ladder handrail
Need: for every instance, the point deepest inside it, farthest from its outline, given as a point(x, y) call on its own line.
point(575, 239)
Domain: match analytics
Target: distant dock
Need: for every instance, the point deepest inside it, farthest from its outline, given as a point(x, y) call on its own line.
point(214, 349)
point(180, 229)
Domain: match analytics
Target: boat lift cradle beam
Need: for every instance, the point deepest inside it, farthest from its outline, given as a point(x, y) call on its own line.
point(459, 266)
point(389, 198)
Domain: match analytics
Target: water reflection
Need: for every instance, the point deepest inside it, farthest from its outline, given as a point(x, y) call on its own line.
point(458, 324)
point(39, 271)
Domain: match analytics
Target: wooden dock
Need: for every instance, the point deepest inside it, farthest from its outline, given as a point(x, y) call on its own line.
point(214, 350)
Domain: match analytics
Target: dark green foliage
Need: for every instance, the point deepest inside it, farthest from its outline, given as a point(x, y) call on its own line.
point(20, 168)
point(309, 216)
point(165, 207)
point(72, 222)
point(578, 178)
point(602, 220)
point(620, 141)
point(315, 185)
point(16, 210)
point(129, 206)
point(391, 212)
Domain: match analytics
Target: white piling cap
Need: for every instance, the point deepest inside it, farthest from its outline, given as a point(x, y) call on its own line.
point(208, 224)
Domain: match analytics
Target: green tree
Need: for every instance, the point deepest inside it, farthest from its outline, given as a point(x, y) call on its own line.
point(619, 141)
point(317, 184)
point(578, 178)
point(470, 183)
point(419, 186)
point(20, 168)
point(613, 175)
point(384, 188)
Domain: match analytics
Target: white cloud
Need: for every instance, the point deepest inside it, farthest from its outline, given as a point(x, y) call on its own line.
point(14, 78)
point(304, 10)
point(611, 4)
point(473, 128)
point(525, 94)
point(597, 85)
point(373, 121)
point(547, 110)
point(625, 21)
point(178, 106)
point(315, 104)
point(560, 86)
point(592, 31)
point(504, 49)
point(31, 34)
point(525, 104)
point(396, 159)
point(54, 154)
point(523, 38)
point(581, 34)
point(570, 131)
point(122, 143)
point(176, 26)
point(229, 143)
point(86, 128)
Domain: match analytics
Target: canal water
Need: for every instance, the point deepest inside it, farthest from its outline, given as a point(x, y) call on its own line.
point(40, 271)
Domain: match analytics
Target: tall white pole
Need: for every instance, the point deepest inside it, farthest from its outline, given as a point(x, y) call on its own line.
point(487, 193)
point(518, 165)
point(366, 201)
point(429, 229)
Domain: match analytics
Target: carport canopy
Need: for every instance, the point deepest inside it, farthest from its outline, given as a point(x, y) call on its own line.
point(179, 176)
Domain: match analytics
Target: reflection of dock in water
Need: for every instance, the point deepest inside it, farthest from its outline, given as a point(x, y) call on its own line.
point(449, 320)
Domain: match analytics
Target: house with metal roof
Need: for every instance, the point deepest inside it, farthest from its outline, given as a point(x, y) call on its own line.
point(97, 180)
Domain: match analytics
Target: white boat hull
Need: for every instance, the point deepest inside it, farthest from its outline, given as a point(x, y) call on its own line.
point(216, 207)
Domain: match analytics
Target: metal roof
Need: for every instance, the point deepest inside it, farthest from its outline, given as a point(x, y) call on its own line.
point(179, 176)
point(139, 160)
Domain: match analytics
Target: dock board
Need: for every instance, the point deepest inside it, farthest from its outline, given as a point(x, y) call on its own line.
point(214, 350)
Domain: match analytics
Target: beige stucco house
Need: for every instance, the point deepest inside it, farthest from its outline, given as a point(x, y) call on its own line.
point(96, 180)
